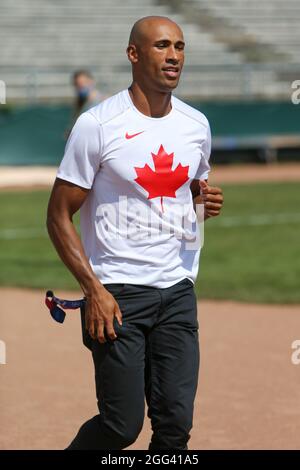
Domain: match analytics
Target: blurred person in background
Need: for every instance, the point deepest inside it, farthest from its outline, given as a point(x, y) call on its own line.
point(86, 95)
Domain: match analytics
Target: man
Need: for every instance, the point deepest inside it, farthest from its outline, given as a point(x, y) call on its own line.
point(133, 165)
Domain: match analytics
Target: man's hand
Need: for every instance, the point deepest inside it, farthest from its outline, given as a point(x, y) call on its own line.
point(212, 198)
point(101, 308)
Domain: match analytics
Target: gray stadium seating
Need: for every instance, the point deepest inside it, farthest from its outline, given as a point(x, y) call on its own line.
point(43, 41)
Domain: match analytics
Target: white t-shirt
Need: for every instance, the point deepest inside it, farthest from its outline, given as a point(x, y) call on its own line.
point(138, 224)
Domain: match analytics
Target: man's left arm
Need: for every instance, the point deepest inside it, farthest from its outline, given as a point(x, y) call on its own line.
point(210, 196)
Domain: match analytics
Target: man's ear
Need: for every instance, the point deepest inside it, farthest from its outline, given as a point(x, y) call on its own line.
point(132, 53)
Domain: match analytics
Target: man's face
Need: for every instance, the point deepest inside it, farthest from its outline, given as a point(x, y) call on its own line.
point(159, 57)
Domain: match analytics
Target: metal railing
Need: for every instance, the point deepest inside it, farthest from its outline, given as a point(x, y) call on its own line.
point(204, 81)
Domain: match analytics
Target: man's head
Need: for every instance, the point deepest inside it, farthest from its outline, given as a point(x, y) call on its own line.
point(156, 52)
point(84, 83)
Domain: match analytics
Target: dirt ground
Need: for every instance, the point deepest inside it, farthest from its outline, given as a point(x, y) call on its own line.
point(248, 395)
point(40, 177)
point(249, 391)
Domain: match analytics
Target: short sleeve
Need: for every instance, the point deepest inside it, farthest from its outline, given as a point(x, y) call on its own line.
point(204, 166)
point(82, 156)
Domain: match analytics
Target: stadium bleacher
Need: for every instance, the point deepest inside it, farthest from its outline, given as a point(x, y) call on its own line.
point(43, 41)
point(270, 22)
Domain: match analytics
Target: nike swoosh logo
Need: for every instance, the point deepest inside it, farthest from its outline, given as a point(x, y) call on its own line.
point(130, 136)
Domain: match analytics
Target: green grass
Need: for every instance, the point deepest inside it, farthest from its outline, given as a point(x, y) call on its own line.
point(28, 258)
point(252, 263)
point(258, 263)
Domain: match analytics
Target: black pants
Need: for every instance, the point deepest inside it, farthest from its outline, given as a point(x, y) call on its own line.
point(156, 354)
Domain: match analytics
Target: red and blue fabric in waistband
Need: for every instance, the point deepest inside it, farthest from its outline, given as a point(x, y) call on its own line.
point(54, 304)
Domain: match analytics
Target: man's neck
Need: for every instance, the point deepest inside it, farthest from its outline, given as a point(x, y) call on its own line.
point(150, 103)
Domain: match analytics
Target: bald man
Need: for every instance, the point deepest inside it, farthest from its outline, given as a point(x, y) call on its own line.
point(134, 165)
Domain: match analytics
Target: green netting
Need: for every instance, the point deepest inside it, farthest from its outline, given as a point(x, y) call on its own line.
point(35, 135)
point(252, 118)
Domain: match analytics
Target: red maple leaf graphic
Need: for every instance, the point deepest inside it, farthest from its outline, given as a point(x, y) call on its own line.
point(163, 182)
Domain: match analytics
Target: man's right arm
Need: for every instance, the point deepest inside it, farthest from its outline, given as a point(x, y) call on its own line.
point(101, 307)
